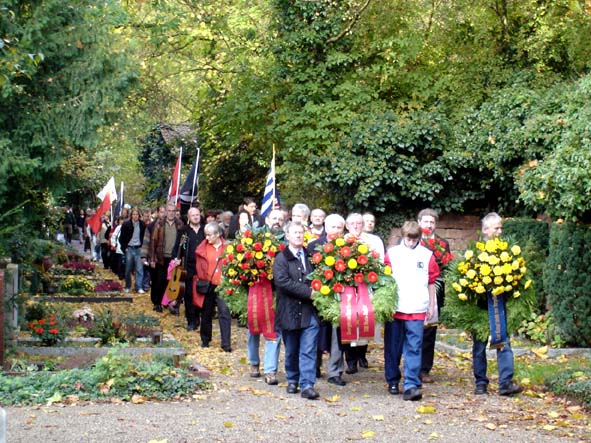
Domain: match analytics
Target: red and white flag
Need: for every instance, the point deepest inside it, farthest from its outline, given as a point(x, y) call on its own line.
point(173, 191)
point(108, 195)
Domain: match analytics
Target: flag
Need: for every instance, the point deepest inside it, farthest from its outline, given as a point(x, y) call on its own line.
point(110, 189)
point(173, 191)
point(191, 185)
point(95, 221)
point(271, 196)
point(120, 202)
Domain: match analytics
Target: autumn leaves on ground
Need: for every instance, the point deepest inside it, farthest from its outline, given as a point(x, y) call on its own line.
point(450, 398)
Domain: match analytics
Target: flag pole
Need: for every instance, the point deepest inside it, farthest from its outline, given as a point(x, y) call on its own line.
point(178, 182)
point(195, 175)
point(274, 198)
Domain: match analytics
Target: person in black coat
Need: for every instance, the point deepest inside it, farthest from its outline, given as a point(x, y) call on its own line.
point(130, 239)
point(296, 316)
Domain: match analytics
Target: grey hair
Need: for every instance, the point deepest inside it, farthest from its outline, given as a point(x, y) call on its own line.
point(289, 224)
point(212, 228)
point(489, 219)
point(334, 218)
point(302, 207)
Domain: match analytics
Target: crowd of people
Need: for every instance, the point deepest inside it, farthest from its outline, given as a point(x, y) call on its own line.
point(145, 248)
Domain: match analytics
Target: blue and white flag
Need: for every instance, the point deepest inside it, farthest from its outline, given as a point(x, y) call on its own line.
point(271, 196)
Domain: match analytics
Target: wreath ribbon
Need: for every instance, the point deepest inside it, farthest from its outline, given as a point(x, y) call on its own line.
point(260, 313)
point(357, 314)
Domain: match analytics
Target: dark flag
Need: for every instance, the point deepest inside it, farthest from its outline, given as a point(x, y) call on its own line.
point(189, 189)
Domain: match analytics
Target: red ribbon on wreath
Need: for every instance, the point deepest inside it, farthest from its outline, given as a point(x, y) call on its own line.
point(357, 314)
point(260, 313)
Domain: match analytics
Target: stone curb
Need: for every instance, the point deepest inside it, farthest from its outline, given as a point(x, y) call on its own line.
point(518, 352)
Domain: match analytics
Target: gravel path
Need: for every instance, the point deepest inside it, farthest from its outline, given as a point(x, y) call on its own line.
point(242, 409)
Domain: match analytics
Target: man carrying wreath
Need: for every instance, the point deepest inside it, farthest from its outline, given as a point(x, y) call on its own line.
point(492, 227)
point(296, 316)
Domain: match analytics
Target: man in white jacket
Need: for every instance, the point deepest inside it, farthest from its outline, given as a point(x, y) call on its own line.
point(415, 271)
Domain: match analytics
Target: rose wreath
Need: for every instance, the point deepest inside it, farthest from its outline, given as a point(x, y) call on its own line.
point(247, 267)
point(493, 269)
point(342, 264)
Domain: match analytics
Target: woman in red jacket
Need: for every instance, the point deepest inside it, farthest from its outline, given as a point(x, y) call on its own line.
point(208, 266)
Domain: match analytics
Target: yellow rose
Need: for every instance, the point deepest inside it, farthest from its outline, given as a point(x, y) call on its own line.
point(254, 272)
point(507, 269)
point(267, 243)
point(498, 280)
point(487, 280)
point(516, 294)
point(523, 270)
point(479, 289)
point(468, 254)
point(497, 270)
point(483, 256)
point(485, 270)
point(246, 240)
point(505, 257)
point(267, 234)
point(352, 263)
point(230, 249)
point(340, 242)
point(329, 260)
point(480, 246)
point(527, 284)
point(491, 246)
point(239, 257)
point(363, 249)
point(387, 270)
point(508, 288)
point(463, 297)
point(515, 250)
point(498, 290)
point(503, 245)
point(493, 260)
point(258, 255)
point(471, 274)
point(325, 290)
point(515, 265)
point(509, 278)
point(273, 248)
point(456, 287)
point(265, 249)
point(463, 282)
point(231, 272)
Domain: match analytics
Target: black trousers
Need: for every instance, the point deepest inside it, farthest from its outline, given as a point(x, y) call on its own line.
point(224, 317)
point(159, 282)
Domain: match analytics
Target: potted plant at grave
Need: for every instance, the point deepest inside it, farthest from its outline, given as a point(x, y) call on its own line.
point(47, 329)
point(75, 285)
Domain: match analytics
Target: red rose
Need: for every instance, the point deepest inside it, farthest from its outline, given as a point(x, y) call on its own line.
point(236, 282)
point(316, 285)
point(257, 246)
point(260, 264)
point(281, 246)
point(229, 291)
point(426, 231)
point(41, 322)
point(39, 330)
point(53, 331)
point(244, 266)
point(351, 239)
point(328, 248)
point(437, 254)
point(224, 262)
point(340, 266)
point(239, 247)
point(230, 257)
point(372, 277)
point(375, 254)
point(431, 243)
point(263, 274)
point(362, 260)
point(338, 288)
point(242, 277)
point(317, 257)
point(247, 233)
point(345, 251)
point(271, 253)
point(359, 278)
point(248, 255)
point(328, 274)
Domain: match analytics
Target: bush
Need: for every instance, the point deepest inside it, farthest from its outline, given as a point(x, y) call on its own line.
point(568, 283)
point(575, 384)
point(533, 237)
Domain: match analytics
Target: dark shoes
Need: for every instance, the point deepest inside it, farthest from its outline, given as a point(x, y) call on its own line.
point(254, 371)
point(271, 379)
point(481, 389)
point(191, 327)
point(157, 308)
point(174, 310)
point(510, 388)
point(412, 394)
point(337, 381)
point(204, 345)
point(292, 388)
point(351, 368)
point(310, 393)
point(227, 348)
point(394, 389)
point(363, 363)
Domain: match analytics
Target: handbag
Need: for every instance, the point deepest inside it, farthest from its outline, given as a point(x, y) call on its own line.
point(202, 286)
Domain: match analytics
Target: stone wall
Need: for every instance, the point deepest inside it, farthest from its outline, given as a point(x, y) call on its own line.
point(458, 230)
